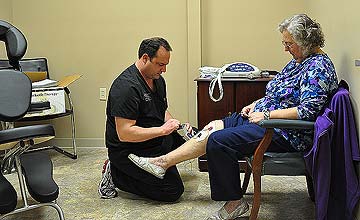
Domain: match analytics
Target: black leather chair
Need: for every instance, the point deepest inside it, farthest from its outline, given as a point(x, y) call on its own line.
point(34, 169)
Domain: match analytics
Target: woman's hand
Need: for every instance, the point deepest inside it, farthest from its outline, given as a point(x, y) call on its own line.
point(247, 110)
point(255, 117)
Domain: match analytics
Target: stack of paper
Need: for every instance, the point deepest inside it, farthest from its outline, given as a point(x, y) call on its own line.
point(45, 83)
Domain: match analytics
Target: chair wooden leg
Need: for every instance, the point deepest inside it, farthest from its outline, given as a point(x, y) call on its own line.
point(246, 178)
point(257, 171)
point(257, 195)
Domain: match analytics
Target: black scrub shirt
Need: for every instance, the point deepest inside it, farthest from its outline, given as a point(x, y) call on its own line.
point(131, 98)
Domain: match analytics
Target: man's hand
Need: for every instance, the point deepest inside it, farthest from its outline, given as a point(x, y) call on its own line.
point(170, 126)
point(188, 127)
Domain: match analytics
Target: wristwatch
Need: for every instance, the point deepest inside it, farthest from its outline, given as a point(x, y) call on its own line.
point(266, 114)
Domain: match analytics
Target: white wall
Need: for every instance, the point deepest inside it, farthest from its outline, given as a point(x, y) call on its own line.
point(245, 31)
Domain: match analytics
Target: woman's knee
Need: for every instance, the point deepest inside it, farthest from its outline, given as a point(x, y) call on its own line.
point(214, 125)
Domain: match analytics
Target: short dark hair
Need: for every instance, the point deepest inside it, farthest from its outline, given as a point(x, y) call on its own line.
point(151, 46)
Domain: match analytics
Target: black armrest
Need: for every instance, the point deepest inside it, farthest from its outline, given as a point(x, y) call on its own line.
point(39, 106)
point(286, 123)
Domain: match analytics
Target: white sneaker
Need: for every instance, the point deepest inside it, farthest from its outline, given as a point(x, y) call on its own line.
point(107, 189)
point(222, 214)
point(143, 163)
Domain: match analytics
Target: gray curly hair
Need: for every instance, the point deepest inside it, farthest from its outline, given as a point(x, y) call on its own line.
point(306, 32)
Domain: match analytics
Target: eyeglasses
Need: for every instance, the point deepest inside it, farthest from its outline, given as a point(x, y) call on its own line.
point(288, 45)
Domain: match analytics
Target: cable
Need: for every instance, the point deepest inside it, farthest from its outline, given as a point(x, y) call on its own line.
point(216, 74)
point(212, 87)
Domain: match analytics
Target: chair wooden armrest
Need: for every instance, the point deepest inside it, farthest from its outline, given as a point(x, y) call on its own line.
point(257, 162)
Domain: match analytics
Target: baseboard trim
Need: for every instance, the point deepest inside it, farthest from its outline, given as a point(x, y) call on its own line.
point(80, 142)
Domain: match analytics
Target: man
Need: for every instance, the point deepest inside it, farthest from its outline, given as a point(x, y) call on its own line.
point(138, 122)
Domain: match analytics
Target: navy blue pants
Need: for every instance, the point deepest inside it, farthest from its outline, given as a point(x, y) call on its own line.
point(224, 147)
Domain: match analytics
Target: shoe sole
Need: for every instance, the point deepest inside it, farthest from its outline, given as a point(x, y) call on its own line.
point(107, 197)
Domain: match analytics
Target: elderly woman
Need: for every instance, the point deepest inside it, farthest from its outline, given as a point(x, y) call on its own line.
point(298, 92)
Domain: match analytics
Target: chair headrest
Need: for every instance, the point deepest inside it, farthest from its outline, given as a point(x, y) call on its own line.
point(15, 94)
point(344, 84)
point(15, 43)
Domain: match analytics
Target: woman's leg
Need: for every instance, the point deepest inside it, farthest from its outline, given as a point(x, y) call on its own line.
point(224, 149)
point(193, 148)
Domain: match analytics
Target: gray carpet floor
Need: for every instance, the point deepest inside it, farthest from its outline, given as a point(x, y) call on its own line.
point(282, 198)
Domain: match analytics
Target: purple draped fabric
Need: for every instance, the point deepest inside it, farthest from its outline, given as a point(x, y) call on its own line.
point(332, 159)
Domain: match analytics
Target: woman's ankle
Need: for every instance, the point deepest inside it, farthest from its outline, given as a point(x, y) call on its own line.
point(159, 161)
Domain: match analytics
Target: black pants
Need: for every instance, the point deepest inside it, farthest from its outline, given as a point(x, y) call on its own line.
point(128, 177)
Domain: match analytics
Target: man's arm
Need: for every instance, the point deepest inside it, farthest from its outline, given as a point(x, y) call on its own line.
point(168, 115)
point(128, 131)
